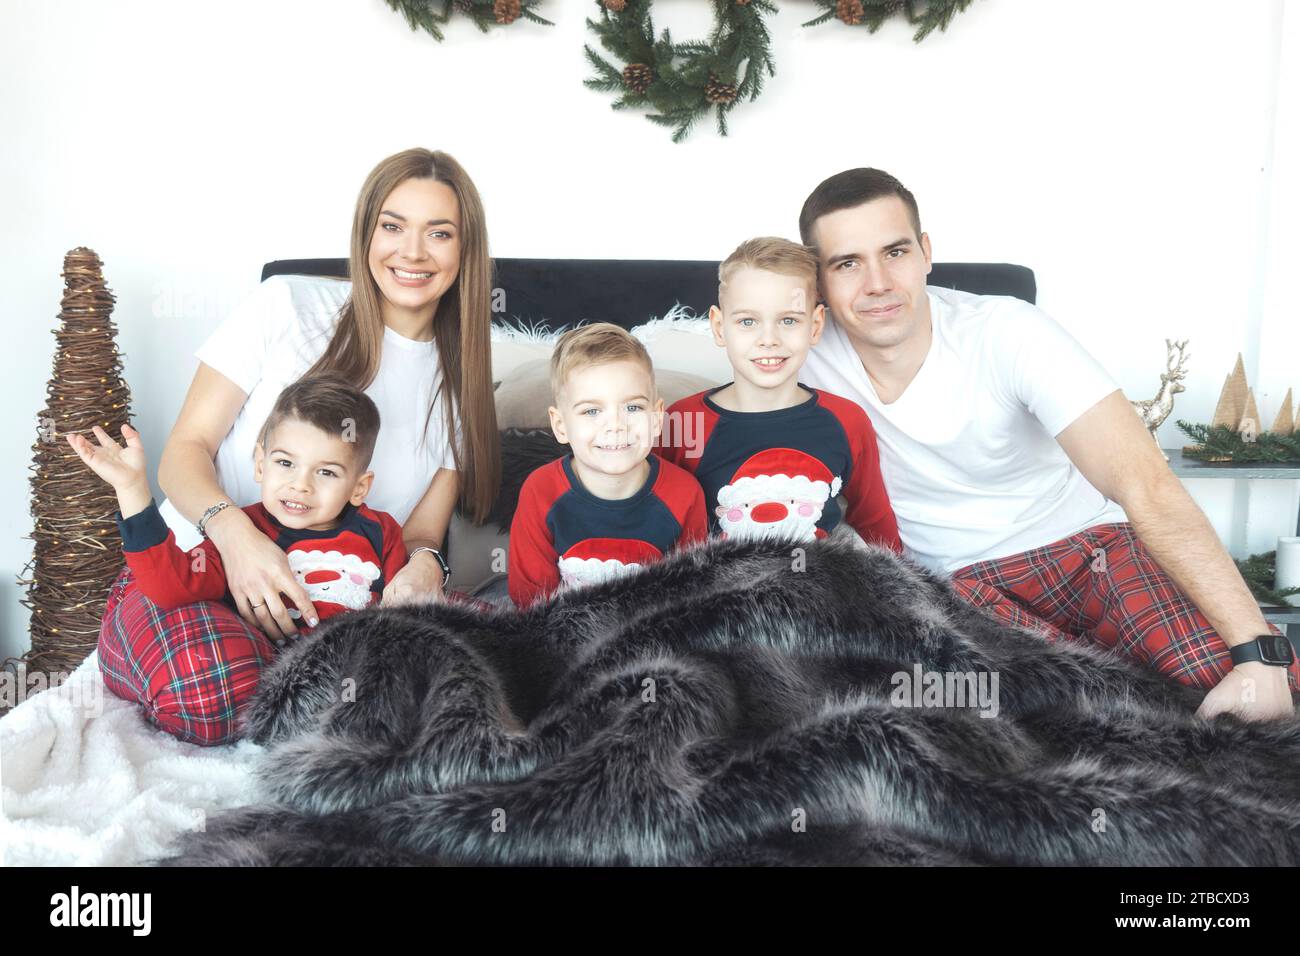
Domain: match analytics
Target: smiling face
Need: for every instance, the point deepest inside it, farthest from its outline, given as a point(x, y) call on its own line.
point(872, 269)
point(414, 251)
point(308, 475)
point(606, 413)
point(767, 321)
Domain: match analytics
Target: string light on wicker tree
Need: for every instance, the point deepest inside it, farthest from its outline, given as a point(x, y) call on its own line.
point(77, 550)
point(678, 82)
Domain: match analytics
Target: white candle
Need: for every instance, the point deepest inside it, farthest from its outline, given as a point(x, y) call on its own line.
point(1287, 570)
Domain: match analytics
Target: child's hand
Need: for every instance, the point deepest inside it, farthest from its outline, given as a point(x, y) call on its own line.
point(122, 468)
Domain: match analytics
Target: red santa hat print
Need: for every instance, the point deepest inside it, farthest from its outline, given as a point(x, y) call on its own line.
point(780, 474)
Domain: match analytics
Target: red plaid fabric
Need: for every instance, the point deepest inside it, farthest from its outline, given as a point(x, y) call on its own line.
point(192, 669)
point(1102, 585)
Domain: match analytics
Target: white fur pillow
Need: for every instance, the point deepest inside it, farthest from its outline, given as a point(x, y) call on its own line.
point(679, 341)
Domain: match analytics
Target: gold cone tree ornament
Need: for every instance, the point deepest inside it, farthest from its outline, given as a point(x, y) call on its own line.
point(1232, 400)
point(77, 551)
point(1284, 424)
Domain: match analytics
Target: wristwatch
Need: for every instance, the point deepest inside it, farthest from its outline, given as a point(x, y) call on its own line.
point(442, 563)
point(1267, 648)
point(201, 526)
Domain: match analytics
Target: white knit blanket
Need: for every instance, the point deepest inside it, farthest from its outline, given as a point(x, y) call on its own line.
point(84, 780)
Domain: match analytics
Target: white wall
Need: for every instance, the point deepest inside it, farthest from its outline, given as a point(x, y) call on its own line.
point(1130, 153)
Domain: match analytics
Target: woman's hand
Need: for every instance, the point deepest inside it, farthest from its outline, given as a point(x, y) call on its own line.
point(420, 581)
point(121, 467)
point(257, 573)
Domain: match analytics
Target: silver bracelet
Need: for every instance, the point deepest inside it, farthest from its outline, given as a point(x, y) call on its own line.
point(442, 563)
point(208, 514)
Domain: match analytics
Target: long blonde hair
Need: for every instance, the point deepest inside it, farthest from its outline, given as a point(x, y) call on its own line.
point(462, 322)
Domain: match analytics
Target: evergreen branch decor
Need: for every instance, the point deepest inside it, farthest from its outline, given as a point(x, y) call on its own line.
point(484, 13)
point(676, 83)
point(680, 82)
point(1225, 444)
point(926, 15)
point(1259, 572)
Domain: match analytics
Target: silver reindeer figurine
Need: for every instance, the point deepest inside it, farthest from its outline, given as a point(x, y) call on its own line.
point(1154, 411)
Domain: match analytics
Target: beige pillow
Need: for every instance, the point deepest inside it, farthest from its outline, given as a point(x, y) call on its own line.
point(525, 394)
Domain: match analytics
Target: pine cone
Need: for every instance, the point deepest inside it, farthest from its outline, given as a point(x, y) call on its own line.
point(715, 91)
point(616, 6)
point(637, 77)
point(506, 11)
point(850, 11)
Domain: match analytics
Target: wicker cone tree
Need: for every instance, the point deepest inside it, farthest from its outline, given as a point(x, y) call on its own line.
point(78, 551)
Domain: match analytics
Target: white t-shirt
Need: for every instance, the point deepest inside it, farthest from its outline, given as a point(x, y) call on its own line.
point(268, 341)
point(968, 451)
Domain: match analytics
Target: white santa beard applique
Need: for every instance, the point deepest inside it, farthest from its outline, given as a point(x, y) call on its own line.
point(331, 577)
point(769, 506)
point(576, 572)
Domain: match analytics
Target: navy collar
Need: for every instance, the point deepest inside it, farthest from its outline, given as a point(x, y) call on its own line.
point(307, 534)
point(618, 503)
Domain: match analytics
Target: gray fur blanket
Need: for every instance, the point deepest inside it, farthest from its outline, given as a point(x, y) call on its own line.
point(744, 702)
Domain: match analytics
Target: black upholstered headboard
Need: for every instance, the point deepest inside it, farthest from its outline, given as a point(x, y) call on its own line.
point(629, 292)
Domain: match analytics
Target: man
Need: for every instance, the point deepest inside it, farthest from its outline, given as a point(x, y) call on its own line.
point(1016, 465)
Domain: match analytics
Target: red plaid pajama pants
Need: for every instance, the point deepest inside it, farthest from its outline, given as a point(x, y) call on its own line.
point(1103, 586)
point(192, 669)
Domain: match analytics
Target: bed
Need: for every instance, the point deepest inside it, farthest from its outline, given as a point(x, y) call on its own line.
point(85, 781)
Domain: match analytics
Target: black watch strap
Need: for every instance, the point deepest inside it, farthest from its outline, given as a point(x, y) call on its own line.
point(442, 562)
point(1267, 648)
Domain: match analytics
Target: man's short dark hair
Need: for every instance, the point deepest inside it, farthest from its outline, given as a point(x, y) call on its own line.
point(331, 403)
point(853, 187)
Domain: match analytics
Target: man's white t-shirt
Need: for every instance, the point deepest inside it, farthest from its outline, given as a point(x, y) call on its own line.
point(968, 451)
point(268, 341)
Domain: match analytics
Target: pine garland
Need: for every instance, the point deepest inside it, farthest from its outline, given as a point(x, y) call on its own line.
point(484, 13)
point(1259, 571)
point(926, 15)
point(1222, 443)
point(681, 82)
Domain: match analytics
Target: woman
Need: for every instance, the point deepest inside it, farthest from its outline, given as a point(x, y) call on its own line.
point(414, 333)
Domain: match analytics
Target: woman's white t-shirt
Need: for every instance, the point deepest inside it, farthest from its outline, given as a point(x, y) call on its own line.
point(968, 452)
point(269, 341)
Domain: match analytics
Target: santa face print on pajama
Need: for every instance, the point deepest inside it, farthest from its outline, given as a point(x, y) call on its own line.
point(778, 492)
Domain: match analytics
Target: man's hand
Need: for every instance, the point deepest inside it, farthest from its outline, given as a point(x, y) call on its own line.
point(419, 582)
point(1254, 691)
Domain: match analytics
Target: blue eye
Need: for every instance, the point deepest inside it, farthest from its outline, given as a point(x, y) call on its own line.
point(790, 320)
point(588, 411)
point(636, 408)
point(743, 321)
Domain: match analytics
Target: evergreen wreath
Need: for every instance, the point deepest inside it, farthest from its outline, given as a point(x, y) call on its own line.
point(485, 13)
point(682, 81)
point(926, 15)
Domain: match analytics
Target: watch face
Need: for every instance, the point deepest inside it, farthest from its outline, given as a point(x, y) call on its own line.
point(1275, 650)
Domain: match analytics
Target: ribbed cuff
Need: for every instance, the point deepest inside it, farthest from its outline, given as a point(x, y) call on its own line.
point(142, 531)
